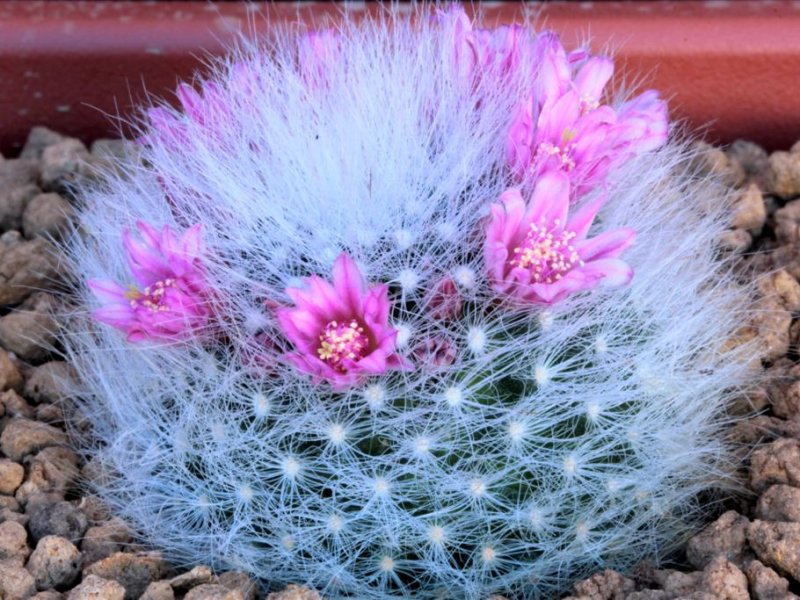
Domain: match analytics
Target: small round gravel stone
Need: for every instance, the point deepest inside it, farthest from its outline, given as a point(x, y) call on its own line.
point(55, 562)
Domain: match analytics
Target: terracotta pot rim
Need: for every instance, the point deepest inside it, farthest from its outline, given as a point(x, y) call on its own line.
point(728, 67)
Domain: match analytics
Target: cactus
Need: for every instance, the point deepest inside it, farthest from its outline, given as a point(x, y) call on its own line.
point(466, 433)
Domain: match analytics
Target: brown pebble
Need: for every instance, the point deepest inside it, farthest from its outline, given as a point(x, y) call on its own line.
point(13, 542)
point(785, 257)
point(777, 462)
point(779, 503)
point(10, 377)
point(784, 391)
point(786, 172)
point(787, 223)
point(30, 332)
point(18, 172)
point(158, 590)
point(766, 584)
point(64, 164)
point(52, 469)
point(52, 414)
point(94, 508)
point(97, 588)
point(676, 582)
point(237, 580)
point(724, 580)
point(754, 160)
point(48, 595)
point(16, 583)
point(782, 286)
point(50, 382)
point(211, 591)
point(749, 211)
point(642, 595)
point(763, 429)
point(735, 241)
point(55, 562)
point(295, 592)
point(9, 511)
point(22, 437)
point(197, 576)
point(40, 138)
point(776, 545)
point(711, 160)
point(114, 155)
point(105, 539)
point(770, 326)
point(11, 474)
point(13, 203)
point(134, 571)
point(725, 537)
point(25, 266)
point(47, 215)
point(14, 405)
point(607, 584)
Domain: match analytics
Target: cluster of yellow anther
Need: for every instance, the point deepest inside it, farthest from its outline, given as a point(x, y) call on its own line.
point(548, 256)
point(546, 149)
point(342, 341)
point(151, 296)
point(588, 104)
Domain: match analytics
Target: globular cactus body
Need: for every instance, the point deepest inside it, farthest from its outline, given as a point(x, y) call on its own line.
point(510, 442)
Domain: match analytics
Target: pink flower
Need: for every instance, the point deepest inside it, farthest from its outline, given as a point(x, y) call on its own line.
point(317, 51)
point(567, 128)
point(535, 252)
point(173, 302)
point(555, 74)
point(341, 330)
point(642, 124)
point(478, 51)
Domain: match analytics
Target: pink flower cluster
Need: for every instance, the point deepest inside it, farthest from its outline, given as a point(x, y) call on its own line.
point(171, 299)
point(563, 125)
point(561, 145)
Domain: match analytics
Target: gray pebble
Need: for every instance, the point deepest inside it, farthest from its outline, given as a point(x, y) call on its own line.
point(60, 518)
point(55, 562)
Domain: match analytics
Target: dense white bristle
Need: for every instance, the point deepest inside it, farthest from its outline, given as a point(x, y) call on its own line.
point(440, 478)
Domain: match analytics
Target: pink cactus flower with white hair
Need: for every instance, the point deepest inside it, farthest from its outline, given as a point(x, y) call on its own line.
point(340, 330)
point(170, 300)
point(568, 128)
point(536, 252)
point(477, 51)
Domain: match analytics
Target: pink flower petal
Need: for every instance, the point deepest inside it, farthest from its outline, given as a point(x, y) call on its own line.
point(614, 272)
point(582, 219)
point(550, 199)
point(606, 245)
point(554, 71)
point(348, 282)
point(107, 290)
point(593, 76)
